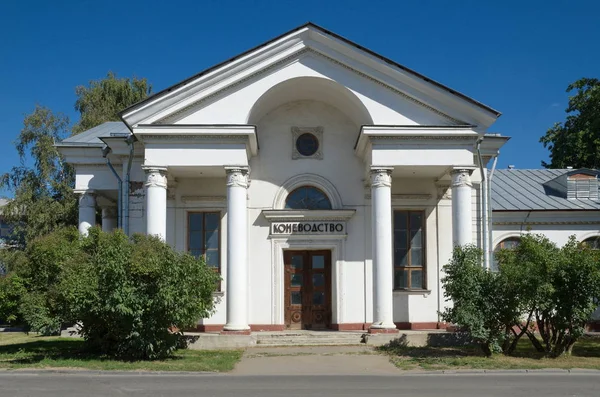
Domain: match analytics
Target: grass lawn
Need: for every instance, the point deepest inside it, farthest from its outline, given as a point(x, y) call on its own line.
point(586, 354)
point(19, 350)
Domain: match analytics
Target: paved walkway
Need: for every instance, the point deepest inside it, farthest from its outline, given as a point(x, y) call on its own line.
point(314, 360)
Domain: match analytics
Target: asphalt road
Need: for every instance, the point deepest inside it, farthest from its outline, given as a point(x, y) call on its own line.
point(423, 385)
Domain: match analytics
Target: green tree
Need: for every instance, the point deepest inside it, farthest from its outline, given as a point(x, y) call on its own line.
point(103, 99)
point(42, 184)
point(575, 288)
point(576, 142)
point(483, 302)
point(43, 191)
point(527, 268)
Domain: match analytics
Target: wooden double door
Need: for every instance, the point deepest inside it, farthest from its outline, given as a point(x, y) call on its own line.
point(307, 289)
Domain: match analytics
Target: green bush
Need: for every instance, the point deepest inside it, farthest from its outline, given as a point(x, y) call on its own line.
point(527, 268)
point(132, 296)
point(41, 267)
point(575, 286)
point(11, 291)
point(556, 287)
point(129, 296)
point(482, 302)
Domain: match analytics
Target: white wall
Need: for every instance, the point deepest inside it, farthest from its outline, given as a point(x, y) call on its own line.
point(385, 106)
point(273, 167)
point(556, 225)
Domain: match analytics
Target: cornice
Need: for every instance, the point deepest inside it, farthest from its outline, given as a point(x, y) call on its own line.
point(424, 137)
point(195, 138)
point(394, 90)
point(307, 215)
point(406, 197)
point(90, 165)
point(174, 116)
point(202, 199)
point(534, 223)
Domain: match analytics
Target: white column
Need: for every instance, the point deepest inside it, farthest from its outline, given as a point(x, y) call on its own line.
point(87, 210)
point(156, 200)
point(383, 267)
point(237, 250)
point(109, 219)
point(462, 211)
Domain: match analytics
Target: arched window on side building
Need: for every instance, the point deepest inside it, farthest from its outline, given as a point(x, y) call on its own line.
point(507, 243)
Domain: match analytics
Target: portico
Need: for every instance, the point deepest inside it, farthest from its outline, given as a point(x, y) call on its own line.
point(326, 185)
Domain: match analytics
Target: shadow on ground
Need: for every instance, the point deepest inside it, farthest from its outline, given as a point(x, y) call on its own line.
point(459, 345)
point(60, 349)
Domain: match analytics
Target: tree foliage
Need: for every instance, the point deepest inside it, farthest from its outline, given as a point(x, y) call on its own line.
point(576, 142)
point(575, 286)
point(43, 191)
point(42, 265)
point(538, 284)
point(11, 291)
point(103, 99)
point(128, 295)
point(136, 292)
point(42, 184)
point(483, 303)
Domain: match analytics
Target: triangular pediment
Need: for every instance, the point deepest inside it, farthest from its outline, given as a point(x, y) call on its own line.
point(330, 66)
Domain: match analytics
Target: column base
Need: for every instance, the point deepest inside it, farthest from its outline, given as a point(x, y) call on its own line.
point(236, 328)
point(242, 332)
point(383, 330)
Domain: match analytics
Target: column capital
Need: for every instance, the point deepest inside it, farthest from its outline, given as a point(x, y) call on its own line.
point(87, 197)
point(381, 176)
point(461, 176)
point(237, 176)
point(156, 176)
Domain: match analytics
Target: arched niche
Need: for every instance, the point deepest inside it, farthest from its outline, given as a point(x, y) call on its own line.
point(310, 88)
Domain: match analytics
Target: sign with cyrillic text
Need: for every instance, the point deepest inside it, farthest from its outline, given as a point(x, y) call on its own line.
point(287, 228)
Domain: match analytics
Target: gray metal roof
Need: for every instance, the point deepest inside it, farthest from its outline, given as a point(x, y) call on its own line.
point(524, 190)
point(92, 136)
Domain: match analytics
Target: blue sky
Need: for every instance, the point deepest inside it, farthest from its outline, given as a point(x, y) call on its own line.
point(517, 57)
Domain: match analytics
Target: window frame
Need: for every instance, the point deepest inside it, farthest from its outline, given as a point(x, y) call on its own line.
point(584, 242)
point(423, 266)
point(495, 265)
point(219, 213)
point(285, 203)
point(500, 245)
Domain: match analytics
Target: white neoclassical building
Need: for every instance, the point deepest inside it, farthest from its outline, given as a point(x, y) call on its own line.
point(325, 183)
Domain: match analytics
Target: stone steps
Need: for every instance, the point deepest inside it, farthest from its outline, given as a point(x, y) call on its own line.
point(310, 339)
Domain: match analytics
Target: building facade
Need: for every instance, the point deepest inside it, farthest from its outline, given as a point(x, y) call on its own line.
point(325, 183)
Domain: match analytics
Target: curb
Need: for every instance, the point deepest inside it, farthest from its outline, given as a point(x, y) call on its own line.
point(49, 371)
point(548, 371)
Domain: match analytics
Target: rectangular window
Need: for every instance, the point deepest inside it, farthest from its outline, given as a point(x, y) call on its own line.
point(409, 250)
point(204, 237)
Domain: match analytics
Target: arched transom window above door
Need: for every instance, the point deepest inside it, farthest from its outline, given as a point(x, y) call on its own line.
point(592, 243)
point(307, 198)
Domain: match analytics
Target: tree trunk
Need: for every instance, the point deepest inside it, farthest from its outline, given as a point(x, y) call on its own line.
point(535, 342)
point(486, 349)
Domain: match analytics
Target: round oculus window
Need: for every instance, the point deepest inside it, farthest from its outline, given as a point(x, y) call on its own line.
point(307, 144)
